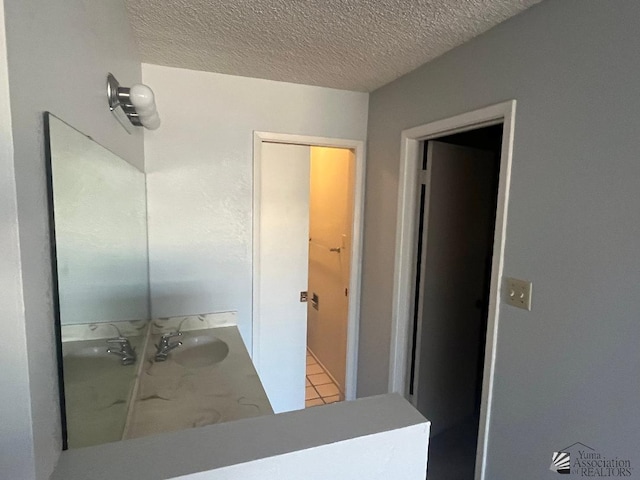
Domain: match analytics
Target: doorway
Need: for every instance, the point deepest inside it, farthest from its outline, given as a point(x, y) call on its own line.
point(457, 210)
point(332, 176)
point(406, 297)
point(298, 267)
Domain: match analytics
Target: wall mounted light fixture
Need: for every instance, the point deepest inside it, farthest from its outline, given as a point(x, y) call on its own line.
point(132, 106)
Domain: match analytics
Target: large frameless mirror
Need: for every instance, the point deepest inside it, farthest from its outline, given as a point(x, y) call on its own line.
point(123, 375)
point(101, 264)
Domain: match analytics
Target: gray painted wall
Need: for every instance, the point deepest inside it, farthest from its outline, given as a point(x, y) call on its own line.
point(16, 446)
point(568, 370)
point(59, 53)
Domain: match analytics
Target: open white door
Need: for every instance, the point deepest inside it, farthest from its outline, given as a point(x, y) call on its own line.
point(282, 236)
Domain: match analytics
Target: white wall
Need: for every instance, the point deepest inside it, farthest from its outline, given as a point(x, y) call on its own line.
point(367, 458)
point(199, 176)
point(59, 53)
point(568, 370)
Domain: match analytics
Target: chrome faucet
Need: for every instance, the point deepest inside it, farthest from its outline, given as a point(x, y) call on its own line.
point(126, 352)
point(165, 346)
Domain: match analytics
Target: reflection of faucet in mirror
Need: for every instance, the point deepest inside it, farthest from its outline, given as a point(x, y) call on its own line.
point(126, 352)
point(164, 346)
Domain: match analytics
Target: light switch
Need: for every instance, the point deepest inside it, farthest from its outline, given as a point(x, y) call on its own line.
point(518, 293)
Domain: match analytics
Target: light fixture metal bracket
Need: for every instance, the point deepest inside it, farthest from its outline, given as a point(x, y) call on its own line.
point(115, 105)
point(121, 106)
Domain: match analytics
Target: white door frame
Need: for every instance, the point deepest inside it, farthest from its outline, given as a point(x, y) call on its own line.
point(404, 274)
point(353, 321)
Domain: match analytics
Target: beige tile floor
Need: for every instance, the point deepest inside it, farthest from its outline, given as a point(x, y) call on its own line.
point(320, 388)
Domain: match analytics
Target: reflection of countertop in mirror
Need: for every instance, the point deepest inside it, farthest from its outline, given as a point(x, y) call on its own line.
point(97, 391)
point(201, 383)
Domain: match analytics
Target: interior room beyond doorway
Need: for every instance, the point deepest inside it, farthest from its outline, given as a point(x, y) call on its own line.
point(332, 175)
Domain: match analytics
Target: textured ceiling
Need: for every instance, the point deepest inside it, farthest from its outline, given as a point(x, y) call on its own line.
point(347, 44)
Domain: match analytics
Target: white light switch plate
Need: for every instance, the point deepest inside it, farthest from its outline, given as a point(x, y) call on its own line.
point(518, 293)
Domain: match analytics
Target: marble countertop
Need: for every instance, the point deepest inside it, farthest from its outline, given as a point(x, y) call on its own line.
point(172, 396)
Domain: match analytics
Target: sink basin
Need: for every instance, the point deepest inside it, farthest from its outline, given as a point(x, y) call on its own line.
point(88, 362)
point(201, 350)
